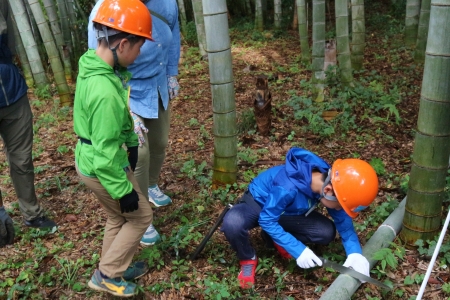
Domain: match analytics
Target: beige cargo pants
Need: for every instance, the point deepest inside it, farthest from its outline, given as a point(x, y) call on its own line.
point(123, 232)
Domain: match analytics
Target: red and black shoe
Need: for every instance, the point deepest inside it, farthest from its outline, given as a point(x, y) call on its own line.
point(283, 253)
point(247, 275)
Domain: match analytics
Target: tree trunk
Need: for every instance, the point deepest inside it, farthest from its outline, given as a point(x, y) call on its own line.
point(318, 49)
point(74, 29)
point(248, 7)
point(422, 33)
point(222, 88)
point(182, 12)
point(65, 27)
point(303, 31)
point(52, 52)
point(343, 46)
point(200, 25)
point(426, 190)
point(277, 14)
point(411, 21)
point(24, 63)
point(50, 9)
point(259, 22)
point(358, 34)
point(29, 43)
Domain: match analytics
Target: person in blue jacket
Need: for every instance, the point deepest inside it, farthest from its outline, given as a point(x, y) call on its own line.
point(153, 85)
point(282, 200)
point(16, 130)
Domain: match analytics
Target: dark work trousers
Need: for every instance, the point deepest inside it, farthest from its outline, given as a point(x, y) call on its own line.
point(16, 130)
point(315, 228)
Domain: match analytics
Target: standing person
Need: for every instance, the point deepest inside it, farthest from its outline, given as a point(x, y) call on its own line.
point(153, 85)
point(282, 200)
point(16, 130)
point(103, 124)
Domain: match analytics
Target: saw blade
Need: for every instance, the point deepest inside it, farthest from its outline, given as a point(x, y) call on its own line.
point(353, 273)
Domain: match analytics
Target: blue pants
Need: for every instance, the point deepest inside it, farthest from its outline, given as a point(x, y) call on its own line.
point(315, 228)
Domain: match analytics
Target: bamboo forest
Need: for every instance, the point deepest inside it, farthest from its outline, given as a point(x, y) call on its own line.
point(174, 148)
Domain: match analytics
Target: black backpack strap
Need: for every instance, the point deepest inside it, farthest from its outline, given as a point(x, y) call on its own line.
point(153, 13)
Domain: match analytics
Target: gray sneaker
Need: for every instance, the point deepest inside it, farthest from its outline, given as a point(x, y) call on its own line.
point(157, 197)
point(151, 236)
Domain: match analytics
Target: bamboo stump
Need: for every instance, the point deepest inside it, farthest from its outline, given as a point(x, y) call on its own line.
point(263, 105)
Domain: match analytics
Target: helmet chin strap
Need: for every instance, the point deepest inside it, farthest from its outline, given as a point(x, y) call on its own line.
point(325, 183)
point(116, 66)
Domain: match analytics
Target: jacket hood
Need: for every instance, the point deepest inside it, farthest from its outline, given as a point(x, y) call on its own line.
point(91, 64)
point(299, 166)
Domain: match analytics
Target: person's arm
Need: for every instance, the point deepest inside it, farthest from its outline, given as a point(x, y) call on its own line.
point(105, 135)
point(174, 49)
point(278, 199)
point(344, 225)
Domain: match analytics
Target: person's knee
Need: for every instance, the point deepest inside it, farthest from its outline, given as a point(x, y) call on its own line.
point(232, 224)
point(328, 234)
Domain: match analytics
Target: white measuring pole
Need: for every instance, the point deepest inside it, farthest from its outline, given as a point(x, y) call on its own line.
point(433, 259)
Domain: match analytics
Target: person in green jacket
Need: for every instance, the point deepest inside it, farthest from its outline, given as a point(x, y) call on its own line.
point(107, 147)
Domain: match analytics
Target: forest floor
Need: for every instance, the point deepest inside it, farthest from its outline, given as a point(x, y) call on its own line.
point(378, 127)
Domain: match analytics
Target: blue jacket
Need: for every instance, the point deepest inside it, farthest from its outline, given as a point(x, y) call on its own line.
point(286, 190)
point(12, 84)
point(157, 61)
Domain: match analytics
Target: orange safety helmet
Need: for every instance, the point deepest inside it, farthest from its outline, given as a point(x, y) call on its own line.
point(131, 16)
point(355, 184)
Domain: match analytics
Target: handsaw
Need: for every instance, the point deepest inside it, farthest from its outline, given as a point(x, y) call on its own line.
point(353, 273)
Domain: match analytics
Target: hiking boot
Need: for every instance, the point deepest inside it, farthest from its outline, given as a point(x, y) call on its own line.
point(135, 270)
point(157, 197)
point(40, 222)
point(282, 251)
point(115, 286)
point(151, 236)
point(246, 277)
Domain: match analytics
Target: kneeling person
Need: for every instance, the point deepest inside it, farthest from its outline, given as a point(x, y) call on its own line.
point(282, 200)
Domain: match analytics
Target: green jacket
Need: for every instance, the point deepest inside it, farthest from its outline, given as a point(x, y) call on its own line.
point(101, 115)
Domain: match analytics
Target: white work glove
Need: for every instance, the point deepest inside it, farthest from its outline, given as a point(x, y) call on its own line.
point(358, 263)
point(308, 259)
point(139, 127)
point(172, 84)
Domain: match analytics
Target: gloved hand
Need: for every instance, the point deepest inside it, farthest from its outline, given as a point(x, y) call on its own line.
point(132, 157)
point(358, 263)
point(172, 84)
point(308, 259)
point(139, 127)
point(129, 202)
point(7, 232)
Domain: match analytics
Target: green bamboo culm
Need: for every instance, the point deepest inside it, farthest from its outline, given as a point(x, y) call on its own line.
point(303, 31)
point(358, 34)
point(343, 44)
point(52, 16)
point(411, 21)
point(427, 182)
point(277, 14)
point(222, 90)
point(29, 43)
point(182, 12)
point(422, 33)
point(200, 25)
point(259, 22)
point(52, 52)
point(65, 27)
point(74, 29)
point(24, 63)
point(318, 49)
